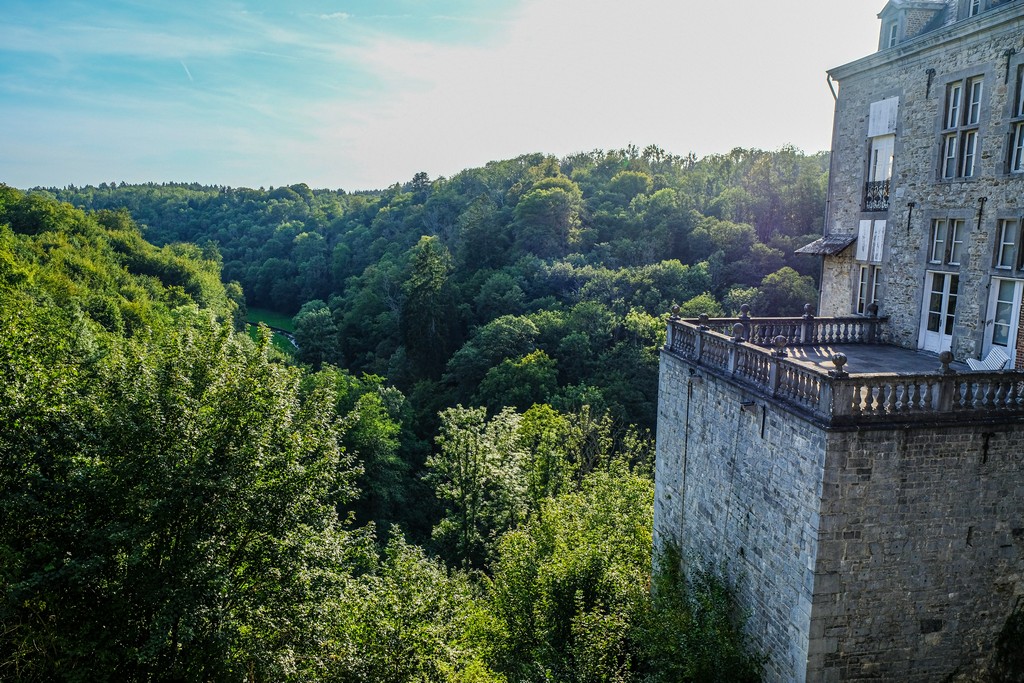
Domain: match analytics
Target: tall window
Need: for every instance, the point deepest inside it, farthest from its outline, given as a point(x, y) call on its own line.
point(1017, 127)
point(1008, 253)
point(869, 288)
point(961, 119)
point(870, 249)
point(973, 8)
point(947, 242)
point(882, 118)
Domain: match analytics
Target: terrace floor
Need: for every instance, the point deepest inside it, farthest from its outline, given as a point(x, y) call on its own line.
point(871, 358)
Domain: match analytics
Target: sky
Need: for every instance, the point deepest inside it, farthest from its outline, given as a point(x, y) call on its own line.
point(361, 94)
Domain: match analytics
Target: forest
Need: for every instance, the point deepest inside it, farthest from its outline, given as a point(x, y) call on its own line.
point(450, 480)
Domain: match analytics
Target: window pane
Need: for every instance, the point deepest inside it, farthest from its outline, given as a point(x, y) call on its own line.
point(1017, 163)
point(954, 283)
point(862, 292)
point(1020, 93)
point(1007, 244)
point(970, 147)
point(938, 241)
point(974, 103)
point(1003, 313)
point(956, 241)
point(953, 106)
point(949, 157)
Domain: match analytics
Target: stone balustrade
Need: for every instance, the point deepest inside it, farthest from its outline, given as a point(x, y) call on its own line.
point(803, 330)
point(837, 397)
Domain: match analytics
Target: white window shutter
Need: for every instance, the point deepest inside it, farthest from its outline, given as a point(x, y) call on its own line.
point(864, 241)
point(882, 119)
point(877, 241)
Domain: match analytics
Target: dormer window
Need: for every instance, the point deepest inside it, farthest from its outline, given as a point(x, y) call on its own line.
point(893, 34)
point(974, 8)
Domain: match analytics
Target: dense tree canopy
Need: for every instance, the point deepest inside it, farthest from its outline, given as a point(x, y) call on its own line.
point(405, 282)
point(480, 352)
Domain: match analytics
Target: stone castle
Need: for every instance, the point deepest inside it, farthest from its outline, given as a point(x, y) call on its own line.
point(859, 473)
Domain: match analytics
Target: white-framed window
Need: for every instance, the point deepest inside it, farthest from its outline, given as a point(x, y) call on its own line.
point(938, 315)
point(870, 250)
point(956, 242)
point(973, 8)
point(947, 241)
point(937, 253)
point(961, 120)
point(893, 34)
point(1008, 252)
point(869, 288)
point(1004, 318)
point(1017, 126)
point(880, 161)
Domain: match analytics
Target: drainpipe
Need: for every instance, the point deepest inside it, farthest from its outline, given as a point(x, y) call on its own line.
point(831, 175)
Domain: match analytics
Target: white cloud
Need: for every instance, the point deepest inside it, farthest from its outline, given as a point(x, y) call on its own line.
point(574, 75)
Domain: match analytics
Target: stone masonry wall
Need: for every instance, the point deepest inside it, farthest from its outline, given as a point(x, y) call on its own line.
point(866, 554)
point(967, 49)
point(739, 488)
point(920, 551)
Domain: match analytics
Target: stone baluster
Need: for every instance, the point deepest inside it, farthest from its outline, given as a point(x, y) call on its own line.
point(737, 340)
point(807, 326)
point(744, 321)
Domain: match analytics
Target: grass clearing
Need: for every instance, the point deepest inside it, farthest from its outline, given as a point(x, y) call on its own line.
point(270, 319)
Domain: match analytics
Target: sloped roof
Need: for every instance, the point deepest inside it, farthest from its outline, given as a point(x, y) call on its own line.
point(829, 245)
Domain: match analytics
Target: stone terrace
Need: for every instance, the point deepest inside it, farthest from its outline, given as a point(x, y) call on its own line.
point(838, 373)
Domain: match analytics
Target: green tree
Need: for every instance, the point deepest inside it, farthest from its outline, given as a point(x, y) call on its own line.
point(427, 313)
point(477, 472)
point(169, 504)
point(569, 585)
point(316, 334)
point(519, 383)
point(785, 292)
point(547, 217)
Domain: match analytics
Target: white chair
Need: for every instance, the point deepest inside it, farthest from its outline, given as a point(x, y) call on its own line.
point(995, 360)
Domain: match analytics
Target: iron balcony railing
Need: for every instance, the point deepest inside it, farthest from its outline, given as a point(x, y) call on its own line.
point(876, 195)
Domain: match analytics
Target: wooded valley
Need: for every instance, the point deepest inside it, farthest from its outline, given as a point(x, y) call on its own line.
point(449, 481)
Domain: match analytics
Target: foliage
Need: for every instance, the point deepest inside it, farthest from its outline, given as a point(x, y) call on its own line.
point(409, 619)
point(1008, 658)
point(172, 493)
point(411, 274)
point(568, 584)
point(691, 631)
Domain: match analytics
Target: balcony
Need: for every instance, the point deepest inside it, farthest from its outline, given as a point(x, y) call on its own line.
point(876, 195)
point(836, 372)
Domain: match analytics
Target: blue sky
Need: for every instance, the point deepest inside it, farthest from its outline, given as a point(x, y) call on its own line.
point(360, 94)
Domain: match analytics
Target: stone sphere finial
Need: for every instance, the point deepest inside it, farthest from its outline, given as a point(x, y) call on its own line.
point(946, 357)
point(873, 309)
point(839, 360)
point(675, 310)
point(745, 312)
point(737, 332)
point(703, 321)
point(780, 345)
point(808, 308)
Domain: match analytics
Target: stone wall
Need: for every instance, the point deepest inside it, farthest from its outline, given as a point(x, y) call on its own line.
point(738, 487)
point(966, 49)
point(920, 552)
point(892, 553)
